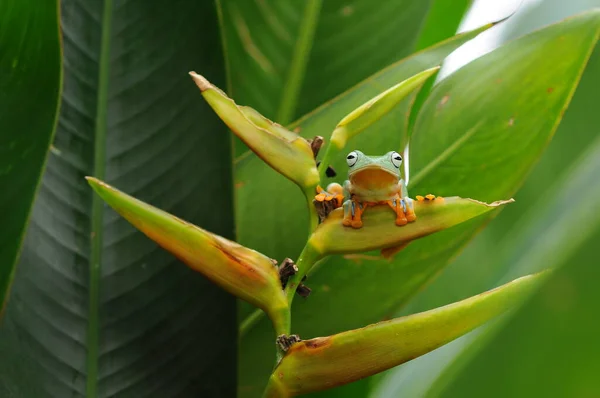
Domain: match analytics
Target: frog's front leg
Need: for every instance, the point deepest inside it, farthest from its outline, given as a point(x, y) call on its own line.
point(353, 211)
point(407, 203)
point(397, 205)
point(409, 209)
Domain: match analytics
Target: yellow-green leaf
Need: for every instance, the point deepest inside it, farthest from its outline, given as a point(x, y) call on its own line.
point(325, 362)
point(283, 150)
point(379, 230)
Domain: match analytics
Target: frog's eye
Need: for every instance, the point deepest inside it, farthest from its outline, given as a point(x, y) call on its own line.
point(396, 159)
point(352, 158)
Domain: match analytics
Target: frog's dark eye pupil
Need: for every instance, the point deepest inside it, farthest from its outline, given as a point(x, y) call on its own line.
point(352, 158)
point(396, 159)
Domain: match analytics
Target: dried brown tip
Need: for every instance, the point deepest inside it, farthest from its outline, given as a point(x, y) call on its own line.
point(316, 144)
point(201, 82)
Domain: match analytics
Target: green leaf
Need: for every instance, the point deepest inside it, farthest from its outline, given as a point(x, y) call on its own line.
point(508, 124)
point(325, 362)
point(286, 57)
point(97, 309)
point(443, 19)
point(547, 235)
point(556, 331)
point(243, 272)
point(24, 140)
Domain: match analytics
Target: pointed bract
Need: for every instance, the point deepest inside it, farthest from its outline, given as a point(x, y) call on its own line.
point(326, 362)
point(374, 109)
point(380, 232)
point(239, 270)
point(283, 150)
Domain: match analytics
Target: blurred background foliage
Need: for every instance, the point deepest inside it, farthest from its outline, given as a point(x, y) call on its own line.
point(145, 320)
point(554, 224)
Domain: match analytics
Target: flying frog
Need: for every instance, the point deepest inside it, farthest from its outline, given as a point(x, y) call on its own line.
point(372, 180)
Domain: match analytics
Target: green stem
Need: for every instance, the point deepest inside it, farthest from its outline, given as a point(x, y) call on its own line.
point(306, 260)
point(275, 389)
point(310, 193)
point(325, 163)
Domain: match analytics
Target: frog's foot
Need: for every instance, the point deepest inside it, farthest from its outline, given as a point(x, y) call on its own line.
point(409, 210)
point(327, 201)
point(334, 194)
point(353, 213)
point(426, 197)
point(396, 205)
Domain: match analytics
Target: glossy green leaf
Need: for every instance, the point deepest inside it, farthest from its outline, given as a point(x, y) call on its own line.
point(556, 331)
point(540, 232)
point(97, 309)
point(325, 362)
point(24, 140)
point(243, 272)
point(544, 234)
point(478, 134)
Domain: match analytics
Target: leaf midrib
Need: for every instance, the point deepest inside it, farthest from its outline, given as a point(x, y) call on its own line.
point(98, 204)
point(302, 48)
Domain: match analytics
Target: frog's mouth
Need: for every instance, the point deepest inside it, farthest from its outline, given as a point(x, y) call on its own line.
point(374, 177)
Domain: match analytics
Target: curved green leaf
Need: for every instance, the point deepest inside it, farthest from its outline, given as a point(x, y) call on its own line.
point(24, 140)
point(546, 237)
point(508, 124)
point(326, 362)
point(97, 309)
point(556, 331)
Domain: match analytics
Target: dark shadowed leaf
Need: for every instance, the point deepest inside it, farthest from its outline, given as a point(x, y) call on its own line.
point(97, 309)
point(29, 97)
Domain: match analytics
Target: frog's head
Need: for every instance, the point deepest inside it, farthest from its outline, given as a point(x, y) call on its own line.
point(374, 171)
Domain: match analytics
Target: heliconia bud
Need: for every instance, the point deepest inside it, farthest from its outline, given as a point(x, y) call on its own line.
point(369, 112)
point(326, 362)
point(374, 109)
point(285, 151)
point(239, 270)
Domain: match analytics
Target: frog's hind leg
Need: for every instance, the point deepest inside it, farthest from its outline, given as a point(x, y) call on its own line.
point(396, 205)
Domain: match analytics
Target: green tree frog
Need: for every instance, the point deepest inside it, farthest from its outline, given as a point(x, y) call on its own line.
point(372, 181)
